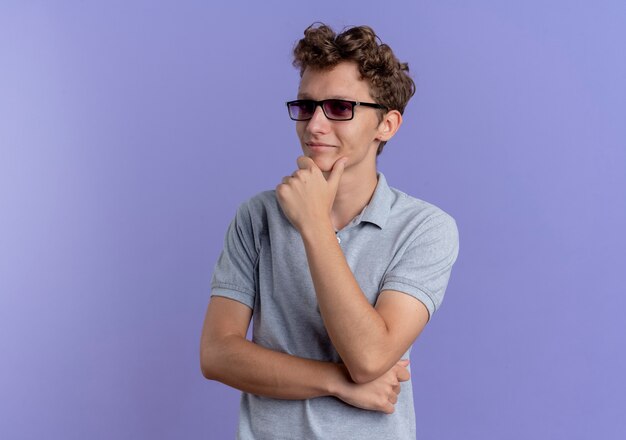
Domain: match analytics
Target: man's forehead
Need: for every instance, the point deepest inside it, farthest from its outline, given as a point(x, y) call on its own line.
point(340, 82)
point(304, 95)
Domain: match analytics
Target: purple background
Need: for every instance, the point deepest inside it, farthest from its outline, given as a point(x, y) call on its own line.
point(131, 131)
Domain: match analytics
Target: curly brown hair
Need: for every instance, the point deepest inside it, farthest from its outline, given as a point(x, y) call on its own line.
point(390, 83)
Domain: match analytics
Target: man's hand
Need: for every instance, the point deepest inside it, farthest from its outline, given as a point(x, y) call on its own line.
point(306, 197)
point(378, 395)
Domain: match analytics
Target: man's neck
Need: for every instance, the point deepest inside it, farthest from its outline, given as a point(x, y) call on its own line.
point(354, 193)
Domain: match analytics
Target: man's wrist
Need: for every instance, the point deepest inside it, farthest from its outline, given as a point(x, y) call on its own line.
point(337, 379)
point(312, 232)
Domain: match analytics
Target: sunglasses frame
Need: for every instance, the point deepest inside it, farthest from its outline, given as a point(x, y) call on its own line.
point(324, 101)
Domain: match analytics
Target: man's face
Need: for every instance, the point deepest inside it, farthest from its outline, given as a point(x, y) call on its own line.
point(324, 140)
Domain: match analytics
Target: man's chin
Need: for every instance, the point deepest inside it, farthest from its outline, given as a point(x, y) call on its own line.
point(325, 164)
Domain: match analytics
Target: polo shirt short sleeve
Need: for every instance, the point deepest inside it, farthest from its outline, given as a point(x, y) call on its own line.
point(234, 274)
point(423, 268)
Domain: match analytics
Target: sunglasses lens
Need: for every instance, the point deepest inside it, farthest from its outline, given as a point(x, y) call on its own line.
point(334, 109)
point(301, 110)
point(338, 109)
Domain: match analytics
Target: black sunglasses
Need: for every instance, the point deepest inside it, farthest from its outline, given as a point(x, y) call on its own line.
point(334, 109)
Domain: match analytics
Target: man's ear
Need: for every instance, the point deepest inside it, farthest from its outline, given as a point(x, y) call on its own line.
point(389, 125)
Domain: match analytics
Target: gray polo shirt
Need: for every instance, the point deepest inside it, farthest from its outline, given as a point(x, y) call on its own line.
point(396, 243)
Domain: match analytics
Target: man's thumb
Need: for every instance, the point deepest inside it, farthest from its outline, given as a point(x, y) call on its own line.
point(337, 171)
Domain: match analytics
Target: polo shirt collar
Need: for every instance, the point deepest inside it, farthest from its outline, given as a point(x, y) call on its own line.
point(377, 211)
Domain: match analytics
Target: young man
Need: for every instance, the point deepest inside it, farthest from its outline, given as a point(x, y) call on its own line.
point(340, 271)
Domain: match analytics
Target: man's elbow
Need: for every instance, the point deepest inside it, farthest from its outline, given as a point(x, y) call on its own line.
point(206, 367)
point(365, 372)
point(208, 363)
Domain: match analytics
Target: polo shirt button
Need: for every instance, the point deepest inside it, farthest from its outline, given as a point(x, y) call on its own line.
point(338, 239)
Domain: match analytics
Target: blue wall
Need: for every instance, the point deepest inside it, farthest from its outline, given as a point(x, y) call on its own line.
point(127, 141)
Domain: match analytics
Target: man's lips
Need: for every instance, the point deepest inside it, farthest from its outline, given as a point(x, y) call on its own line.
point(318, 145)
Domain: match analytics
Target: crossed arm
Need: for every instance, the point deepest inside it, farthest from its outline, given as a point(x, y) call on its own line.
point(370, 340)
point(226, 356)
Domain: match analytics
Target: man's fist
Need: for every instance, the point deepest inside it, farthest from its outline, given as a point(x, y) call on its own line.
point(306, 197)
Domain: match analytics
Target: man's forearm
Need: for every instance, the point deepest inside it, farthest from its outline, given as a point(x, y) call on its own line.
point(227, 356)
point(251, 368)
point(356, 329)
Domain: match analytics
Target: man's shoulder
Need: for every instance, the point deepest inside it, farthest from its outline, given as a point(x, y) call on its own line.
point(259, 208)
point(411, 207)
point(261, 201)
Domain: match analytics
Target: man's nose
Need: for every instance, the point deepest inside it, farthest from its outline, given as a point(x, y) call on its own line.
point(318, 121)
